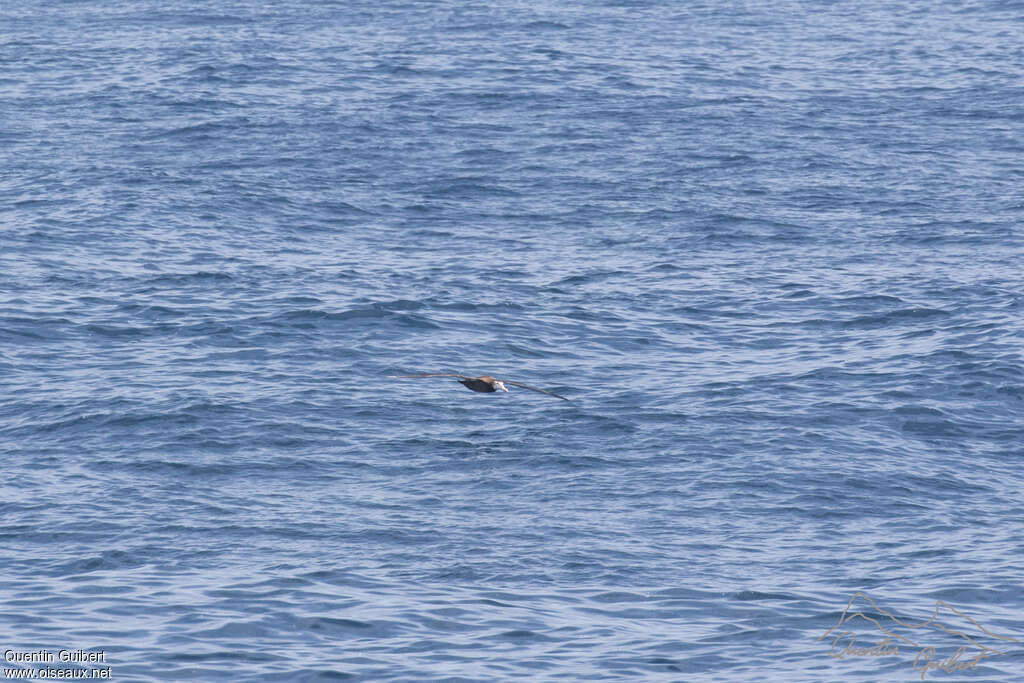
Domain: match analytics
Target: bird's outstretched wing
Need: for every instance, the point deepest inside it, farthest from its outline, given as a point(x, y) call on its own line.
point(430, 374)
point(541, 391)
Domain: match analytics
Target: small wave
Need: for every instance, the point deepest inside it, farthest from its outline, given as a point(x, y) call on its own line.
point(545, 26)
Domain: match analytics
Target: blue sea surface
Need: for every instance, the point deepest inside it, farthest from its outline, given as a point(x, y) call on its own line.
point(771, 251)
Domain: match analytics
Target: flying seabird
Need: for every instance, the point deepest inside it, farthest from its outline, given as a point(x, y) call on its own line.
point(485, 383)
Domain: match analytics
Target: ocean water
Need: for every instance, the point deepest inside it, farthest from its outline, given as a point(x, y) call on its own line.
point(771, 251)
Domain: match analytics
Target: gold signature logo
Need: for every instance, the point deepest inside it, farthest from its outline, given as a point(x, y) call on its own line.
point(927, 657)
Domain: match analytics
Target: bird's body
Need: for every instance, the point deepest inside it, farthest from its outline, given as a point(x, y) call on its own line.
point(483, 384)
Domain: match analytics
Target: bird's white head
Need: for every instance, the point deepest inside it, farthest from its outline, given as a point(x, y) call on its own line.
point(499, 385)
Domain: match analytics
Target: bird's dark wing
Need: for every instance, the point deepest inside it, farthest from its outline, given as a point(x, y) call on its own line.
point(431, 374)
point(540, 391)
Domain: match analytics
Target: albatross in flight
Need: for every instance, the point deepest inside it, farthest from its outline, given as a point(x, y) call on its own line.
point(486, 383)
